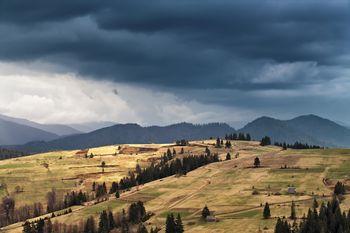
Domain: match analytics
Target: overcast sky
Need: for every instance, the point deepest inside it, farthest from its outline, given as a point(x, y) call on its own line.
point(161, 62)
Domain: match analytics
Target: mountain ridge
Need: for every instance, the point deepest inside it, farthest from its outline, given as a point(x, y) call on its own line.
point(58, 129)
point(310, 129)
point(14, 133)
point(129, 133)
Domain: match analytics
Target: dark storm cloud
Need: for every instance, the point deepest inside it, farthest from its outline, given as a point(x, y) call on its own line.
point(243, 45)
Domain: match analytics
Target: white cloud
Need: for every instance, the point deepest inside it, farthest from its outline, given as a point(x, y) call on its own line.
point(35, 92)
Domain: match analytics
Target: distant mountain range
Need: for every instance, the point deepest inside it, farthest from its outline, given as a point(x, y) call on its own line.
point(58, 129)
point(309, 129)
point(129, 133)
point(91, 126)
point(13, 133)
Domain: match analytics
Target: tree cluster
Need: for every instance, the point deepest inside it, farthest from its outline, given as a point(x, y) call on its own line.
point(339, 188)
point(75, 198)
point(10, 214)
point(219, 143)
point(166, 168)
point(296, 145)
point(329, 218)
point(100, 190)
point(173, 225)
point(239, 136)
point(107, 222)
point(265, 141)
point(69, 199)
point(182, 142)
point(8, 154)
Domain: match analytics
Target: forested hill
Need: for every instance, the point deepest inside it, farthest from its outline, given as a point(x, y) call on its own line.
point(130, 133)
point(309, 129)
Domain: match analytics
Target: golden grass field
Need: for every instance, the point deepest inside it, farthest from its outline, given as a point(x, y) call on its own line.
point(225, 187)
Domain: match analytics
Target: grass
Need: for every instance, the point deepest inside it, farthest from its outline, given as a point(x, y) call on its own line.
point(225, 187)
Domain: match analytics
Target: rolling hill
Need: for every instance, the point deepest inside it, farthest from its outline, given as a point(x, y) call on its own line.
point(310, 129)
point(130, 133)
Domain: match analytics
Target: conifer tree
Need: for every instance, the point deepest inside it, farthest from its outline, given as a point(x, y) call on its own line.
point(339, 188)
point(27, 228)
point(205, 212)
point(89, 225)
point(103, 226)
point(182, 150)
point(228, 156)
point(257, 162)
point(315, 203)
point(170, 226)
point(111, 222)
point(169, 154)
point(178, 224)
point(218, 143)
point(293, 214)
point(266, 212)
point(117, 195)
point(48, 228)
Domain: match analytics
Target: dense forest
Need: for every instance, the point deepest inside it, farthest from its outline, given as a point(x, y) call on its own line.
point(8, 154)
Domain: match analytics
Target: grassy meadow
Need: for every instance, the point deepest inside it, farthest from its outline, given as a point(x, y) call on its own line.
point(225, 187)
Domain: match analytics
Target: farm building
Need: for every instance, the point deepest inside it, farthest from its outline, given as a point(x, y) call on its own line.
point(211, 218)
point(291, 190)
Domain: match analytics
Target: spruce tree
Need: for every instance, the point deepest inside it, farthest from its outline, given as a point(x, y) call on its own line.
point(293, 214)
point(257, 162)
point(205, 212)
point(315, 203)
point(117, 195)
point(170, 226)
point(339, 188)
point(178, 224)
point(228, 156)
point(103, 226)
point(89, 225)
point(111, 222)
point(27, 228)
point(266, 212)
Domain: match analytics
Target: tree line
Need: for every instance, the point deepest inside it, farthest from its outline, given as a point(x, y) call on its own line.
point(297, 145)
point(108, 221)
point(239, 136)
point(8, 154)
point(54, 203)
point(166, 168)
